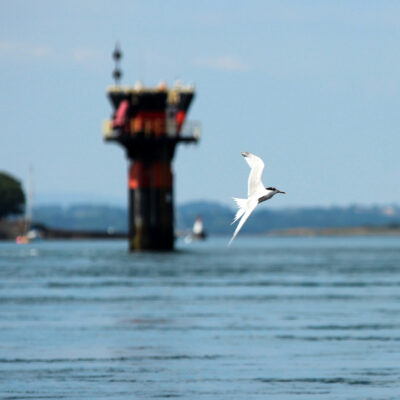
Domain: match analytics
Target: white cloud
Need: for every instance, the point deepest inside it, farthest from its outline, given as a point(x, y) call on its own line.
point(19, 49)
point(83, 55)
point(24, 51)
point(226, 63)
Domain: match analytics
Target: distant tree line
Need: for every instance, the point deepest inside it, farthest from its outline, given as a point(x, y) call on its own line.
point(217, 218)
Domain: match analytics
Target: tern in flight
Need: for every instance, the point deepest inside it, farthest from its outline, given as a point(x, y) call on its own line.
point(257, 193)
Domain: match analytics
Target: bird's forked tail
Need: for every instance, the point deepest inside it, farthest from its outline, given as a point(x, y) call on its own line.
point(241, 203)
point(246, 207)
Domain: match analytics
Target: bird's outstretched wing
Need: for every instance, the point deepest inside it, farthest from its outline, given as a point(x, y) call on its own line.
point(257, 166)
point(250, 207)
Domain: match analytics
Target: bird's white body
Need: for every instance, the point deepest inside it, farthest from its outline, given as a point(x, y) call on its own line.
point(257, 193)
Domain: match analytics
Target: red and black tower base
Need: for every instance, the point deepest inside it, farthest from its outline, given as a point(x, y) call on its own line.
point(148, 122)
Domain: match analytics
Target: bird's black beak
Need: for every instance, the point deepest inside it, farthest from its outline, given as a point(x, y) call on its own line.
point(281, 192)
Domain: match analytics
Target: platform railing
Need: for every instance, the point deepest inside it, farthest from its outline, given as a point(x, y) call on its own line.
point(190, 131)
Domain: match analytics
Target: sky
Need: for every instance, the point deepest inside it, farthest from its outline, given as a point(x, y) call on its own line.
point(312, 87)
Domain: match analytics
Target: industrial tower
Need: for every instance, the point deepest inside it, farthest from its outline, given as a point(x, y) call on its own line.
point(149, 123)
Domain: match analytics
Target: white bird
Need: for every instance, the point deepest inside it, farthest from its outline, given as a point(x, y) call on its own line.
point(257, 193)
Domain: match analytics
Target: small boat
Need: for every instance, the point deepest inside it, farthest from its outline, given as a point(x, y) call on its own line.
point(198, 232)
point(31, 236)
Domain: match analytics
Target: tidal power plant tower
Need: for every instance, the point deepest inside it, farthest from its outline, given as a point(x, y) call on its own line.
point(149, 123)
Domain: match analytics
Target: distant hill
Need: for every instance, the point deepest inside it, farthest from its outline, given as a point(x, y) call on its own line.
point(217, 218)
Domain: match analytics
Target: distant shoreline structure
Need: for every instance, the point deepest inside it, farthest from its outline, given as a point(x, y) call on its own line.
point(9, 230)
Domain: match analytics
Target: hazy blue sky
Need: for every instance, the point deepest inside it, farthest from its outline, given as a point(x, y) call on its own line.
point(313, 87)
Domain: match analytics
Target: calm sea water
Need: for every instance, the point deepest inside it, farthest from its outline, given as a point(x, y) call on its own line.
point(267, 318)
